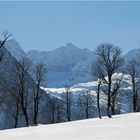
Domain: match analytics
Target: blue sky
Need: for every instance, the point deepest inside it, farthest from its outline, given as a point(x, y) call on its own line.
point(48, 25)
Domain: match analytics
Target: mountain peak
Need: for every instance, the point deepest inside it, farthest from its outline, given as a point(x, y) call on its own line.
point(67, 48)
point(71, 47)
point(69, 44)
point(15, 49)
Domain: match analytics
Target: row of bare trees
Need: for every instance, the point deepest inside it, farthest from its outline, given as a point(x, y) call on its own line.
point(22, 98)
point(24, 90)
point(69, 108)
point(26, 94)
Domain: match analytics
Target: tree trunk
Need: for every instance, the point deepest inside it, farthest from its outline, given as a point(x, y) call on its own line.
point(98, 100)
point(16, 116)
point(68, 107)
point(134, 94)
point(36, 105)
point(113, 106)
point(35, 113)
point(87, 110)
point(16, 122)
point(26, 116)
point(109, 98)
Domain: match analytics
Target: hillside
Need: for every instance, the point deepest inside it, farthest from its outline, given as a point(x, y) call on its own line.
point(8, 82)
point(120, 127)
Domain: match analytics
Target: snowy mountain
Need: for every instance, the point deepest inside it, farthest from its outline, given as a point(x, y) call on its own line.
point(66, 65)
point(120, 127)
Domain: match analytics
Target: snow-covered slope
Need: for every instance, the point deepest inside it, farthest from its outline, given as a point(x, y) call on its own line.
point(120, 127)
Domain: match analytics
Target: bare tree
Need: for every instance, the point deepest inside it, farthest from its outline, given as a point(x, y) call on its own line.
point(3, 40)
point(13, 108)
point(110, 59)
point(98, 72)
point(22, 78)
point(39, 73)
point(85, 102)
point(5, 37)
point(68, 101)
point(54, 110)
point(133, 71)
point(98, 97)
point(115, 91)
point(10, 93)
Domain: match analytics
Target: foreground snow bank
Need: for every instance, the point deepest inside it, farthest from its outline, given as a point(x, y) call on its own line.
point(120, 127)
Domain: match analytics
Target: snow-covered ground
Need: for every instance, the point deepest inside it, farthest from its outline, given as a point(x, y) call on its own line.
point(120, 127)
